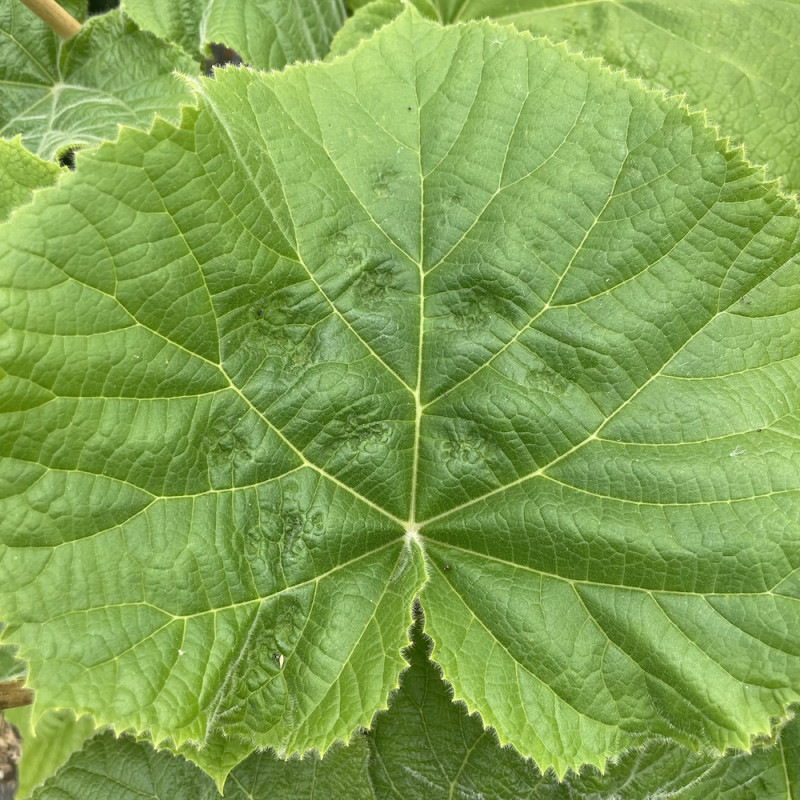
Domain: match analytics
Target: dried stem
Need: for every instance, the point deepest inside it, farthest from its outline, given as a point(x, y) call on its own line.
point(13, 694)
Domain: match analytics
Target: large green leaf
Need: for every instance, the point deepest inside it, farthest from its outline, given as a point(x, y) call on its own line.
point(63, 94)
point(459, 314)
point(737, 59)
point(267, 33)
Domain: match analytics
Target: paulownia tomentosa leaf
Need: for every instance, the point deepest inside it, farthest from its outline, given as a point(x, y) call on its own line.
point(21, 173)
point(11, 668)
point(739, 60)
point(128, 770)
point(267, 33)
point(459, 315)
point(48, 745)
point(60, 94)
point(424, 747)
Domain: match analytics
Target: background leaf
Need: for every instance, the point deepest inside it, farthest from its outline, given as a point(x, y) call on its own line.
point(266, 33)
point(365, 22)
point(426, 747)
point(128, 770)
point(48, 745)
point(459, 311)
point(21, 173)
point(11, 668)
point(341, 773)
point(125, 770)
point(65, 94)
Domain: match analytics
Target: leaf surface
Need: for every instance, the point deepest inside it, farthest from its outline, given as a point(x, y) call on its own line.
point(11, 667)
point(21, 173)
point(59, 94)
point(47, 745)
point(459, 315)
point(125, 770)
point(128, 770)
point(266, 33)
point(425, 747)
point(738, 60)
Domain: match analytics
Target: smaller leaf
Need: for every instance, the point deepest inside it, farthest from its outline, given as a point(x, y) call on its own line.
point(59, 95)
point(128, 770)
point(21, 172)
point(365, 21)
point(124, 769)
point(425, 747)
point(56, 736)
point(267, 34)
point(341, 773)
point(11, 667)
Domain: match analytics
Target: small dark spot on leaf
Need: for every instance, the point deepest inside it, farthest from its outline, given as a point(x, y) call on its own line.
point(67, 159)
point(758, 430)
point(221, 55)
point(259, 313)
point(100, 6)
point(445, 567)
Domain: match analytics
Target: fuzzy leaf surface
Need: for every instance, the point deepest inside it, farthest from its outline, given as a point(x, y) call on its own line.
point(738, 60)
point(125, 770)
point(458, 315)
point(268, 34)
point(21, 172)
point(128, 770)
point(65, 94)
point(425, 747)
point(48, 745)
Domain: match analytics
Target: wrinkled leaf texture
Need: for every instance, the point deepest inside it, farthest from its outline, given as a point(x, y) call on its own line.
point(59, 95)
point(48, 745)
point(738, 60)
point(425, 747)
point(21, 175)
point(460, 315)
point(266, 33)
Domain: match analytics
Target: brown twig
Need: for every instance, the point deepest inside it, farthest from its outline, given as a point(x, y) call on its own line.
point(14, 694)
point(55, 17)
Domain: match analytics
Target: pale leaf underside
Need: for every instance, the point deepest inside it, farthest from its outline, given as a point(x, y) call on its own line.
point(737, 60)
point(459, 315)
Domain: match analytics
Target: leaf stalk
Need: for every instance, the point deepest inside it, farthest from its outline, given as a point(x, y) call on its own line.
point(14, 694)
point(55, 17)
